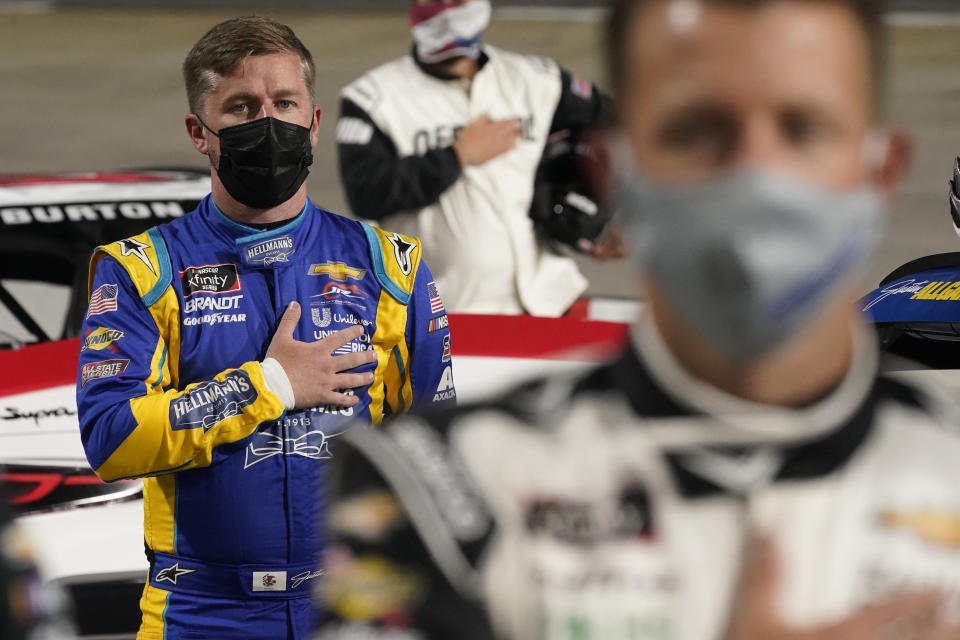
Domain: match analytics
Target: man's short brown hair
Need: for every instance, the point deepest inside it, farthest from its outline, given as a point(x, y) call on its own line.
point(869, 14)
point(221, 50)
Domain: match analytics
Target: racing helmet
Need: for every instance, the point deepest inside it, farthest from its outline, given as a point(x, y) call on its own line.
point(567, 206)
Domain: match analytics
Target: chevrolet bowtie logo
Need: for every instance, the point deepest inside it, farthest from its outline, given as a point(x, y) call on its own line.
point(933, 527)
point(171, 573)
point(337, 271)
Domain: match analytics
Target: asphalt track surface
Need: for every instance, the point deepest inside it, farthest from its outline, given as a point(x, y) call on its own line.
point(101, 90)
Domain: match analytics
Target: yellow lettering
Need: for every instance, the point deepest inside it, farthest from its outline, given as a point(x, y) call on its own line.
point(948, 291)
point(924, 294)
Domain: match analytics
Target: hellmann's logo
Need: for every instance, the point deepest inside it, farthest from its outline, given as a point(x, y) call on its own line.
point(101, 338)
point(938, 290)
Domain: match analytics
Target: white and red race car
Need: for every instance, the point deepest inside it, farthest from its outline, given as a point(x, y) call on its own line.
point(88, 535)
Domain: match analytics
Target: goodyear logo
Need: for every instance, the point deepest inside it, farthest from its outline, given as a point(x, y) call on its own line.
point(337, 271)
point(101, 338)
point(938, 290)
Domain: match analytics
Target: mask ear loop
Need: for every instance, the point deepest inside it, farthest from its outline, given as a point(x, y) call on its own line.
point(205, 126)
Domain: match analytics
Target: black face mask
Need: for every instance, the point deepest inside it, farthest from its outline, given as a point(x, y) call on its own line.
point(263, 162)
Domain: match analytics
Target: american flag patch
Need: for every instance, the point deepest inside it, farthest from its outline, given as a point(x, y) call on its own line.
point(102, 300)
point(581, 87)
point(436, 304)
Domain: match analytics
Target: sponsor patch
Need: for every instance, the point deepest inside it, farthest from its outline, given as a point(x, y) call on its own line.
point(269, 581)
point(334, 291)
point(438, 323)
point(581, 87)
point(172, 573)
point(337, 271)
point(102, 369)
point(436, 303)
point(267, 252)
point(401, 251)
point(322, 316)
point(210, 403)
point(937, 528)
point(938, 290)
point(131, 247)
point(103, 300)
point(210, 278)
point(445, 390)
point(446, 348)
point(101, 338)
point(363, 343)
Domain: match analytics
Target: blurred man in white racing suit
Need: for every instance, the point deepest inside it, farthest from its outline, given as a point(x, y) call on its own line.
point(445, 142)
point(743, 470)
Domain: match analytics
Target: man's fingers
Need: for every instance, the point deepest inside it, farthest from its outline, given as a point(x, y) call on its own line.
point(340, 399)
point(916, 612)
point(339, 338)
point(352, 380)
point(289, 319)
point(352, 360)
point(944, 633)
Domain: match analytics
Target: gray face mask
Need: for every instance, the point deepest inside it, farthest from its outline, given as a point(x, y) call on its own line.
point(748, 260)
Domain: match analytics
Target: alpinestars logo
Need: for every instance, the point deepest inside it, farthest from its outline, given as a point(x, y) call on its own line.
point(133, 247)
point(402, 250)
point(172, 573)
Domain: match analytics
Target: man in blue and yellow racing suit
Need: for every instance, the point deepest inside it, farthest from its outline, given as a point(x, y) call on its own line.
point(223, 351)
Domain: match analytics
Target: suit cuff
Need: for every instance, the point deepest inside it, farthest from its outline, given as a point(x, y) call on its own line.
point(277, 382)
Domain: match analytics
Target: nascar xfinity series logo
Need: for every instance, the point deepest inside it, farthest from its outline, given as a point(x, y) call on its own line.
point(210, 403)
point(264, 254)
point(210, 278)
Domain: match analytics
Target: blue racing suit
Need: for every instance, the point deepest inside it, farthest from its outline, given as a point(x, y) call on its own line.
point(171, 388)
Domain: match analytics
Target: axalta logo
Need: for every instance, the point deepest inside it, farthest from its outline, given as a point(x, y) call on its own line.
point(210, 278)
point(101, 338)
point(337, 271)
point(445, 390)
point(269, 251)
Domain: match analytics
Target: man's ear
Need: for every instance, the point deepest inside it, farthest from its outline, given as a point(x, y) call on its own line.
point(315, 130)
point(195, 130)
point(892, 166)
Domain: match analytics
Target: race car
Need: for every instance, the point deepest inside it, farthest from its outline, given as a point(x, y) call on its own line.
point(88, 535)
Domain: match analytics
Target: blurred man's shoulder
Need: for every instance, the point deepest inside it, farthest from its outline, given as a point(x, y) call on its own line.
point(368, 90)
